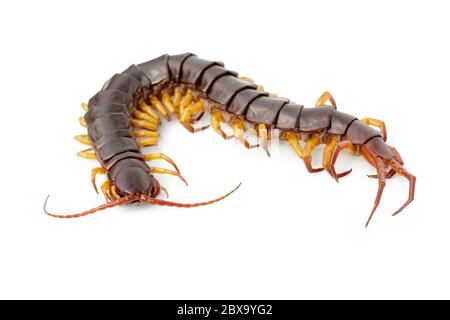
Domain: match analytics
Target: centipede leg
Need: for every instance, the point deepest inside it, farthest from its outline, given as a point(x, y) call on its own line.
point(82, 121)
point(264, 136)
point(167, 102)
point(327, 157)
point(305, 152)
point(160, 156)
point(84, 106)
point(216, 119)
point(145, 133)
point(381, 170)
point(397, 166)
point(238, 131)
point(324, 98)
point(184, 102)
point(143, 106)
point(247, 79)
point(86, 154)
point(84, 139)
point(186, 113)
point(197, 118)
point(176, 99)
point(343, 145)
point(158, 105)
point(376, 123)
point(191, 128)
point(106, 187)
point(143, 124)
point(140, 115)
point(146, 142)
point(165, 171)
point(95, 171)
point(113, 192)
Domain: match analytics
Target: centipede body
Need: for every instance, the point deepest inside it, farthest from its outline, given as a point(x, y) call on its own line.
point(124, 116)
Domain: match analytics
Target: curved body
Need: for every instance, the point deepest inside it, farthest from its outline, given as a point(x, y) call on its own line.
point(185, 85)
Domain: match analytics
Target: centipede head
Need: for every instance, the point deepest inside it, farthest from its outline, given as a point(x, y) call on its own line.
point(136, 181)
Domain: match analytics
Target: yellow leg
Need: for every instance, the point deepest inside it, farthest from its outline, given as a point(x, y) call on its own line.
point(95, 171)
point(246, 79)
point(165, 171)
point(84, 139)
point(87, 155)
point(147, 109)
point(264, 136)
point(328, 151)
point(144, 124)
point(238, 131)
point(186, 112)
point(159, 106)
point(145, 133)
point(140, 115)
point(216, 119)
point(324, 98)
point(305, 152)
point(273, 95)
point(260, 87)
point(145, 142)
point(193, 108)
point(328, 156)
point(177, 97)
point(167, 102)
point(84, 106)
point(376, 123)
point(114, 193)
point(82, 121)
point(185, 102)
point(342, 145)
point(105, 190)
point(191, 128)
point(160, 156)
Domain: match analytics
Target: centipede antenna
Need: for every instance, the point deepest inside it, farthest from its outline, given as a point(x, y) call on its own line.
point(107, 205)
point(159, 202)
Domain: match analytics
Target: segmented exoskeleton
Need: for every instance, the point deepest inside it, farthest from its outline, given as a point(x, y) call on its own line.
point(123, 117)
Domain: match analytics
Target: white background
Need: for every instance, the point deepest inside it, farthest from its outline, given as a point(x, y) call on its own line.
point(285, 233)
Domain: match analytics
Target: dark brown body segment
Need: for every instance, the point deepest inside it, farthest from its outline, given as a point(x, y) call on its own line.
point(138, 74)
point(157, 69)
point(379, 148)
point(225, 87)
point(359, 133)
point(315, 119)
point(175, 62)
point(193, 68)
point(288, 116)
point(211, 74)
point(109, 96)
point(123, 82)
point(340, 122)
point(265, 110)
point(242, 100)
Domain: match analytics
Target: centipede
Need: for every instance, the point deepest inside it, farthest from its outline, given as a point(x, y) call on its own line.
point(123, 118)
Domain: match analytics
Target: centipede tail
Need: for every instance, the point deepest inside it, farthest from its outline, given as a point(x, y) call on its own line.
point(125, 115)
